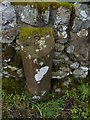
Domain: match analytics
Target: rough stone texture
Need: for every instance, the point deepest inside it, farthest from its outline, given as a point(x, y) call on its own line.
point(37, 60)
point(62, 17)
point(70, 49)
point(8, 15)
point(29, 15)
point(61, 73)
point(61, 58)
point(72, 46)
point(7, 22)
point(8, 35)
point(78, 48)
point(62, 35)
point(82, 17)
point(82, 72)
point(59, 47)
point(74, 65)
point(46, 15)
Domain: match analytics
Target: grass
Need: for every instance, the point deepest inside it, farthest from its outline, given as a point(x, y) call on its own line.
point(70, 104)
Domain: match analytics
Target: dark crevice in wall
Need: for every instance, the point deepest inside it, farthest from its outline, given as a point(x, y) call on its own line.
point(72, 17)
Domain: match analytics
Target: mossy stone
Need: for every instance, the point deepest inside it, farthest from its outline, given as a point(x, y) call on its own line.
point(42, 6)
point(27, 32)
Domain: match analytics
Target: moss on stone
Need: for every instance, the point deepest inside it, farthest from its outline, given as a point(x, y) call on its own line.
point(42, 6)
point(32, 32)
point(68, 5)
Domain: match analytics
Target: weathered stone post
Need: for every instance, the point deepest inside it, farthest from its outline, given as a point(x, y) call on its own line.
point(37, 47)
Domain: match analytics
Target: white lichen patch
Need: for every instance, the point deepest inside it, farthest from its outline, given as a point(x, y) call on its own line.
point(84, 19)
point(14, 68)
point(22, 47)
point(19, 71)
point(44, 46)
point(47, 36)
point(48, 56)
point(32, 6)
point(5, 67)
point(82, 33)
point(64, 28)
point(42, 38)
point(37, 50)
point(59, 34)
point(64, 34)
point(41, 63)
point(29, 56)
point(38, 82)
point(35, 60)
point(36, 97)
point(22, 16)
point(41, 44)
point(37, 70)
point(5, 72)
point(84, 68)
point(29, 37)
point(83, 13)
point(8, 60)
point(40, 74)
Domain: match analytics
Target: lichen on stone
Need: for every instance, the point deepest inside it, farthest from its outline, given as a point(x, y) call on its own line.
point(40, 74)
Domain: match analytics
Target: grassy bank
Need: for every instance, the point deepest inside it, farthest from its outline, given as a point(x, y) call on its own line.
point(73, 104)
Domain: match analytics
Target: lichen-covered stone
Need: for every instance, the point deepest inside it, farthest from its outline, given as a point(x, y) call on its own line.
point(61, 58)
point(74, 65)
point(82, 72)
point(61, 73)
point(8, 15)
point(46, 15)
point(59, 47)
point(8, 35)
point(82, 17)
point(62, 16)
point(62, 37)
point(78, 48)
point(37, 46)
point(28, 14)
point(70, 49)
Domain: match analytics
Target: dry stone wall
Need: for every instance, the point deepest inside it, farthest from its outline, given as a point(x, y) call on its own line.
point(71, 35)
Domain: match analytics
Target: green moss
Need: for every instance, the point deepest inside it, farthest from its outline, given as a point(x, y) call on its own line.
point(21, 3)
point(42, 6)
point(56, 5)
point(31, 32)
point(10, 85)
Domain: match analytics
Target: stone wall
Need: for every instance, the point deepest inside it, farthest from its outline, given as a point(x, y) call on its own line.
point(71, 24)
